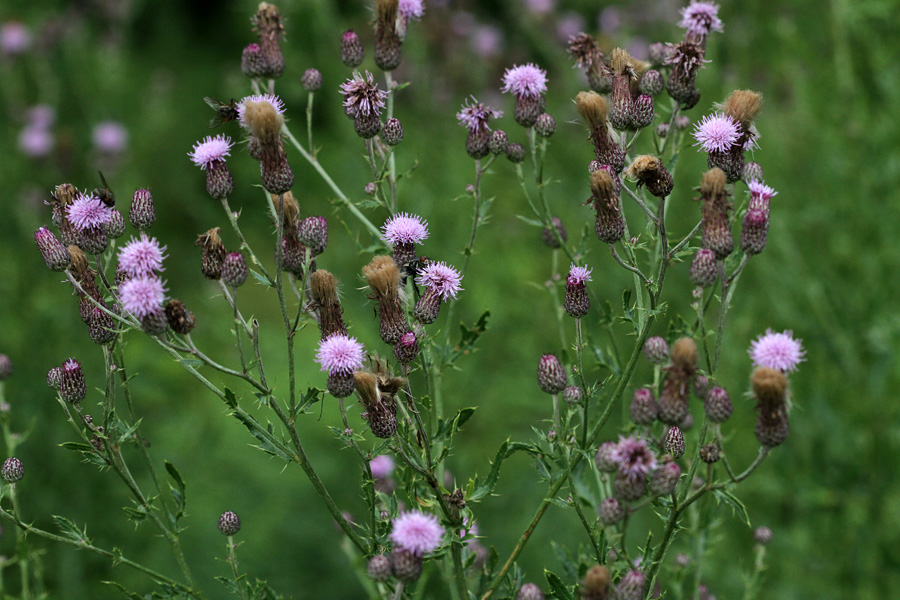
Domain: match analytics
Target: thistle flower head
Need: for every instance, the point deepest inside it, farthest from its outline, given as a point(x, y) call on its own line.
point(87, 212)
point(142, 256)
point(716, 132)
point(340, 353)
point(143, 295)
point(578, 275)
point(270, 99)
point(686, 58)
point(404, 228)
point(779, 351)
point(760, 191)
point(411, 9)
point(210, 150)
point(633, 457)
point(417, 532)
point(362, 96)
point(584, 50)
point(475, 116)
point(525, 81)
point(700, 18)
point(441, 278)
point(382, 466)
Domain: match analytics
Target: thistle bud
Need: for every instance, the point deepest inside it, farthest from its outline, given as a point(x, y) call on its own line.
point(72, 387)
point(550, 374)
point(658, 54)
point(54, 377)
point(387, 40)
point(405, 565)
point(644, 408)
point(234, 269)
point(252, 62)
point(12, 470)
point(379, 568)
point(155, 323)
point(213, 253)
point(180, 319)
point(573, 395)
point(701, 386)
point(115, 227)
point(630, 587)
point(498, 141)
point(545, 125)
point(515, 153)
point(549, 238)
point(6, 367)
point(674, 442)
point(718, 405)
point(142, 213)
point(267, 22)
point(762, 535)
point(313, 233)
point(229, 523)
point(604, 459)
point(311, 80)
point(55, 255)
point(478, 143)
point(709, 453)
point(662, 130)
point(652, 83)
point(352, 51)
point(530, 591)
point(704, 270)
point(629, 488)
point(407, 348)
point(753, 231)
point(656, 350)
point(752, 172)
point(101, 326)
point(664, 479)
point(392, 133)
point(610, 511)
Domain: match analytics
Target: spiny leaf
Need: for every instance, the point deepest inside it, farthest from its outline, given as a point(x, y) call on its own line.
point(736, 505)
point(557, 587)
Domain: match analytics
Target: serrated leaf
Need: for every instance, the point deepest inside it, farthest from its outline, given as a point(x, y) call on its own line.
point(447, 427)
point(507, 449)
point(128, 594)
point(230, 585)
point(468, 337)
point(77, 447)
point(69, 529)
point(736, 505)
point(178, 491)
point(260, 278)
point(311, 396)
point(136, 514)
point(557, 587)
point(256, 430)
point(128, 434)
point(230, 399)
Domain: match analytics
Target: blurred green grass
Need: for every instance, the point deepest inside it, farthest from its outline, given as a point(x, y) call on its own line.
point(829, 75)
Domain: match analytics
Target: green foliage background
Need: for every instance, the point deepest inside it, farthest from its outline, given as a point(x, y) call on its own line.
point(830, 78)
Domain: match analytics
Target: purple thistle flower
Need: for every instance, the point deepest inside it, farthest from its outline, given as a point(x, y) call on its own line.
point(578, 275)
point(272, 99)
point(475, 117)
point(404, 228)
point(700, 18)
point(779, 351)
point(525, 80)
point(141, 256)
point(716, 133)
point(142, 296)
point(417, 532)
point(35, 141)
point(411, 9)
point(760, 193)
point(633, 457)
point(382, 466)
point(361, 95)
point(110, 137)
point(15, 38)
point(441, 278)
point(210, 150)
point(88, 212)
point(339, 353)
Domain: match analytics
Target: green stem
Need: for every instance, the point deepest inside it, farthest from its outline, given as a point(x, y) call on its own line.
point(309, 115)
point(232, 558)
point(244, 244)
point(21, 546)
point(279, 287)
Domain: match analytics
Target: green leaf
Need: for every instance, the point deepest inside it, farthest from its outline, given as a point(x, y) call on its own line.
point(128, 434)
point(77, 447)
point(627, 308)
point(557, 588)
point(736, 505)
point(70, 530)
point(257, 431)
point(447, 427)
point(532, 222)
point(468, 337)
point(191, 362)
point(311, 396)
point(137, 515)
point(230, 399)
point(478, 491)
point(260, 278)
point(177, 490)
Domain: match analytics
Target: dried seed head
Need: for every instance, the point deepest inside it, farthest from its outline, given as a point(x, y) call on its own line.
point(180, 319)
point(383, 277)
point(267, 22)
point(713, 184)
point(684, 353)
point(596, 582)
point(593, 108)
point(621, 63)
point(769, 385)
point(603, 188)
point(213, 253)
point(743, 106)
point(649, 170)
point(264, 122)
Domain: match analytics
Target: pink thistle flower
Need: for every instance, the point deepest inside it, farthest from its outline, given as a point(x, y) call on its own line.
point(760, 194)
point(475, 117)
point(578, 275)
point(417, 532)
point(15, 38)
point(716, 133)
point(339, 353)
point(271, 99)
point(361, 95)
point(700, 18)
point(633, 457)
point(779, 351)
point(404, 228)
point(36, 141)
point(411, 9)
point(382, 466)
point(142, 296)
point(110, 137)
point(141, 256)
point(88, 212)
point(525, 81)
point(441, 278)
point(210, 150)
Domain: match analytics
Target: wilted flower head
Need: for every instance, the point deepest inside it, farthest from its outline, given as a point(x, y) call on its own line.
point(143, 295)
point(382, 466)
point(417, 532)
point(578, 275)
point(141, 256)
point(411, 9)
point(700, 18)
point(361, 95)
point(475, 116)
point(87, 212)
point(441, 278)
point(210, 150)
point(340, 353)
point(716, 133)
point(110, 137)
point(633, 457)
point(525, 80)
point(404, 228)
point(271, 99)
point(779, 351)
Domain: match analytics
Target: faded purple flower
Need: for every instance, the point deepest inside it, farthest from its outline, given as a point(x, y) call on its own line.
point(88, 212)
point(36, 141)
point(578, 275)
point(716, 133)
point(417, 532)
point(141, 256)
point(110, 137)
point(441, 278)
point(569, 25)
point(210, 150)
point(411, 9)
point(525, 81)
point(404, 228)
point(634, 457)
point(361, 95)
point(142, 296)
point(475, 116)
point(15, 38)
point(779, 351)
point(486, 41)
point(700, 18)
point(382, 466)
point(41, 115)
point(270, 99)
point(540, 7)
point(339, 353)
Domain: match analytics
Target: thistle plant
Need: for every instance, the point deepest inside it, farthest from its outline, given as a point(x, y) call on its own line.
point(421, 534)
